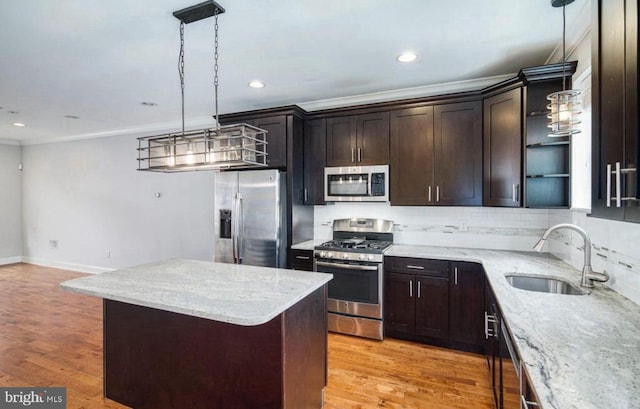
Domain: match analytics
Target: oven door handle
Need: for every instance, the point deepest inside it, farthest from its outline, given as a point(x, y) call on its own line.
point(347, 266)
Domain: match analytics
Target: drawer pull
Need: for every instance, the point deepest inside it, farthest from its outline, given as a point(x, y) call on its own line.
point(303, 257)
point(412, 267)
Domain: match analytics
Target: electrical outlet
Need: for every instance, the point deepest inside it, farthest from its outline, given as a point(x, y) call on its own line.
point(53, 244)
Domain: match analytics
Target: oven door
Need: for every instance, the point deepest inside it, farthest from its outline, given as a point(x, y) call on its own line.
point(356, 288)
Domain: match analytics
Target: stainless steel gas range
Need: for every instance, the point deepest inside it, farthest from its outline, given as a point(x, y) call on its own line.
point(355, 258)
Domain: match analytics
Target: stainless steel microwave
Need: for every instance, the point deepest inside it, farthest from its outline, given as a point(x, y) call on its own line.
point(356, 184)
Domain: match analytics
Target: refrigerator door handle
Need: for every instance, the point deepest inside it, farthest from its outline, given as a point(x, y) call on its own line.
point(240, 219)
point(235, 228)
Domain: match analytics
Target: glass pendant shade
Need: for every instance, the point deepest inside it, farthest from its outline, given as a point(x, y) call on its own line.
point(563, 113)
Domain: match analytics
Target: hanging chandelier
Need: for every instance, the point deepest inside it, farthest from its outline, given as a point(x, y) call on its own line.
point(220, 147)
point(563, 105)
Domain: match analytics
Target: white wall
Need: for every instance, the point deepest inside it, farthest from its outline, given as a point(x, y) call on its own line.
point(10, 204)
point(88, 197)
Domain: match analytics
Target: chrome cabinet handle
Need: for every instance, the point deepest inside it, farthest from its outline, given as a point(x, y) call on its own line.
point(429, 192)
point(437, 193)
point(618, 194)
point(526, 404)
point(455, 275)
point(306, 195)
point(303, 257)
point(419, 288)
point(410, 288)
point(353, 154)
point(489, 332)
point(608, 185)
point(515, 192)
point(412, 267)
point(359, 154)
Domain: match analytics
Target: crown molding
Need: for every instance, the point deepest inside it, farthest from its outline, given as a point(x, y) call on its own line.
point(138, 130)
point(579, 29)
point(9, 142)
point(404, 93)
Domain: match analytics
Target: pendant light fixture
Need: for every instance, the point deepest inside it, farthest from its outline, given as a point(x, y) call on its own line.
point(563, 105)
point(221, 147)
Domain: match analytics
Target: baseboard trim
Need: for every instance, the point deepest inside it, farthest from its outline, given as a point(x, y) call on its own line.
point(10, 260)
point(82, 268)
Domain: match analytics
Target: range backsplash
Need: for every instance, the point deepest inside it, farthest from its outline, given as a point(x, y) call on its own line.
point(615, 244)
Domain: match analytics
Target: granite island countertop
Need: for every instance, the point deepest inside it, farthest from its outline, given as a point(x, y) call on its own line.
point(580, 351)
point(235, 294)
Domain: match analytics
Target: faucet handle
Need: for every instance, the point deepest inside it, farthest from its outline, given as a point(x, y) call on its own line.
point(601, 277)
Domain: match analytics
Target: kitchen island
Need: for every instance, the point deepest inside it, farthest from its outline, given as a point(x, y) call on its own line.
point(194, 334)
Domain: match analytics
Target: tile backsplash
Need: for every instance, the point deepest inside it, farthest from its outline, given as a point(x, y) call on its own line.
point(476, 227)
point(615, 245)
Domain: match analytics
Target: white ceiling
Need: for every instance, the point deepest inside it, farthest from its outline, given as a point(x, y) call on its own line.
point(98, 60)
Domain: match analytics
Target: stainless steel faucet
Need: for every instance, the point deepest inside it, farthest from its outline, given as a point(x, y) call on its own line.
point(588, 275)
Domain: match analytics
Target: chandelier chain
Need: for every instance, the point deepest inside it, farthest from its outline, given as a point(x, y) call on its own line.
point(215, 66)
point(181, 69)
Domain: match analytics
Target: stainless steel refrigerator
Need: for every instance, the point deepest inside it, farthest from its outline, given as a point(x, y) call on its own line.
point(250, 218)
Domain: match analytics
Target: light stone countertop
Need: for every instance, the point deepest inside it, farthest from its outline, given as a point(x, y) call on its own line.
point(236, 294)
point(580, 351)
point(308, 245)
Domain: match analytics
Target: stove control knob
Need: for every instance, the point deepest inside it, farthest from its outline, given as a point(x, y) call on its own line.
point(362, 257)
point(370, 257)
point(329, 255)
point(323, 254)
point(345, 256)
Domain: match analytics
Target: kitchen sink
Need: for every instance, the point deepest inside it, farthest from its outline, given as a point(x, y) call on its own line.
point(543, 284)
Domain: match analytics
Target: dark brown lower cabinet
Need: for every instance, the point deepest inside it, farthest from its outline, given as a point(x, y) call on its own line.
point(466, 304)
point(301, 259)
point(434, 301)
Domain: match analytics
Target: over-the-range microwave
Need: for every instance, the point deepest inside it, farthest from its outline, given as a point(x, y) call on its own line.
point(356, 184)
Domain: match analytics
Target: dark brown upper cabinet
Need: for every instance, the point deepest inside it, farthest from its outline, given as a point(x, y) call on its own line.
point(357, 140)
point(615, 146)
point(503, 149)
point(315, 133)
point(458, 154)
point(276, 127)
point(411, 169)
point(436, 155)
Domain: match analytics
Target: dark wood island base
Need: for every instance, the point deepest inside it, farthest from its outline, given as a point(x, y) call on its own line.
point(158, 359)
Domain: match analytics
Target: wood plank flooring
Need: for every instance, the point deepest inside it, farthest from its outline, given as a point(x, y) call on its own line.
point(49, 337)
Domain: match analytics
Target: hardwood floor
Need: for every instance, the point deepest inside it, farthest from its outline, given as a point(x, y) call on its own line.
point(49, 337)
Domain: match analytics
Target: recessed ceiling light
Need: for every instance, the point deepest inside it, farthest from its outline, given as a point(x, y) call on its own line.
point(12, 112)
point(256, 84)
point(148, 104)
point(407, 56)
point(72, 117)
point(18, 124)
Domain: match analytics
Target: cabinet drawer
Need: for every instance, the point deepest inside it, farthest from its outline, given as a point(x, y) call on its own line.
point(301, 259)
point(419, 266)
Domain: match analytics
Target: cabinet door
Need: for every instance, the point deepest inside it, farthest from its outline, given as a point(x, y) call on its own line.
point(432, 306)
point(315, 133)
point(503, 149)
point(458, 154)
point(276, 128)
point(399, 303)
point(615, 106)
point(467, 305)
point(411, 148)
point(372, 139)
point(301, 259)
point(341, 141)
